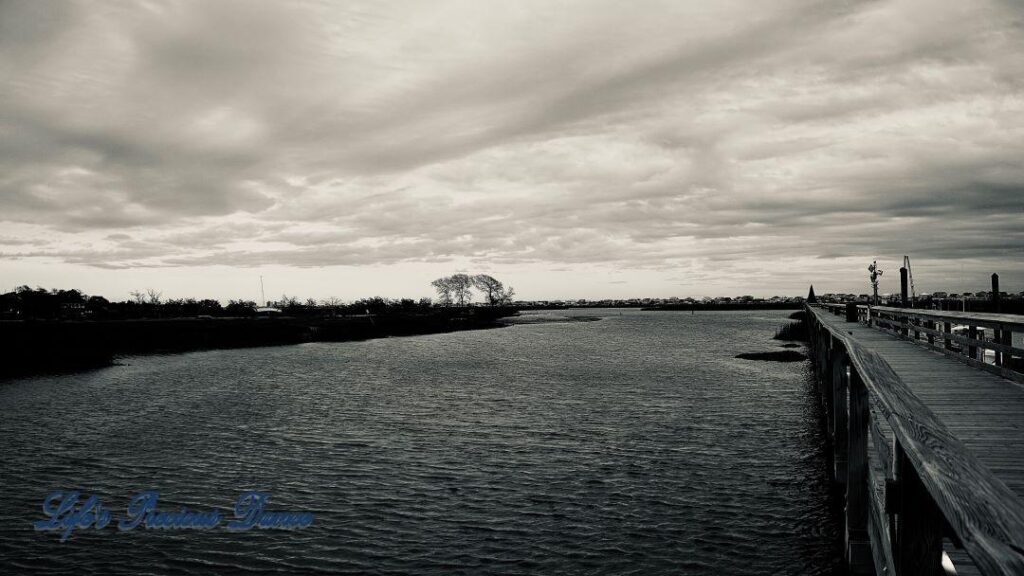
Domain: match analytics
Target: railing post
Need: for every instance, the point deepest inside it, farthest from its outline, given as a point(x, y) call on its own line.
point(1008, 339)
point(839, 415)
point(931, 326)
point(858, 543)
point(972, 350)
point(919, 525)
point(997, 336)
point(948, 329)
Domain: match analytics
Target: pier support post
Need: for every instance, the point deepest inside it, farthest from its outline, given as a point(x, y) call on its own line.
point(839, 416)
point(824, 346)
point(826, 387)
point(819, 351)
point(858, 543)
point(919, 525)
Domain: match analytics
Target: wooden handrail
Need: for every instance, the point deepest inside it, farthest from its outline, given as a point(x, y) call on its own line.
point(937, 329)
point(1012, 322)
point(984, 514)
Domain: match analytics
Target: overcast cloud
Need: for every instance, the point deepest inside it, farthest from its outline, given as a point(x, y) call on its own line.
point(700, 146)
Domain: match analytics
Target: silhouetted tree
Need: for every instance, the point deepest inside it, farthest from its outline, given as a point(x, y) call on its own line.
point(493, 290)
point(332, 304)
point(375, 305)
point(241, 308)
point(444, 288)
point(462, 286)
point(209, 306)
point(97, 304)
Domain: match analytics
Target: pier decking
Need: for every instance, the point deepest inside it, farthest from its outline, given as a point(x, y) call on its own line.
point(927, 435)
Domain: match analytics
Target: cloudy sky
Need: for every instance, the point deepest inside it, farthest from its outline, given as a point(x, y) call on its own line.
point(572, 148)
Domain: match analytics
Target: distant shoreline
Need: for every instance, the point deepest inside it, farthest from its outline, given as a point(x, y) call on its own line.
point(697, 306)
point(35, 347)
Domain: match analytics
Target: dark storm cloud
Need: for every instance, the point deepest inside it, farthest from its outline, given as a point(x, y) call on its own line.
point(664, 135)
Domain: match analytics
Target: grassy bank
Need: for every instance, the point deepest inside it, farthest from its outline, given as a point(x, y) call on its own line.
point(795, 331)
point(34, 347)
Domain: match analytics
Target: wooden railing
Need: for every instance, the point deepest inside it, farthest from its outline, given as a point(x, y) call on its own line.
point(908, 482)
point(981, 340)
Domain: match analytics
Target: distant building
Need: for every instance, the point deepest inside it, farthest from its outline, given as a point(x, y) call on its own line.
point(72, 310)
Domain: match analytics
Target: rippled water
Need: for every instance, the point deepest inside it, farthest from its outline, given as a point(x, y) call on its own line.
point(635, 444)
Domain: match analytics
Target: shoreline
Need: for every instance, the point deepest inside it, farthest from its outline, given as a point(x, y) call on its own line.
point(698, 306)
point(38, 347)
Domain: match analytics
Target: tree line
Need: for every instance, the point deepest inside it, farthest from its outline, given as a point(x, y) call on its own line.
point(39, 303)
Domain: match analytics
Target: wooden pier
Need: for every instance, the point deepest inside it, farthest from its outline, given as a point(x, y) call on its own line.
point(925, 413)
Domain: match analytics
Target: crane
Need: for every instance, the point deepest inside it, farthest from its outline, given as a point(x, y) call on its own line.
point(910, 278)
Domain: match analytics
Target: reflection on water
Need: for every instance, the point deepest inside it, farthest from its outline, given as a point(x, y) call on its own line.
point(635, 444)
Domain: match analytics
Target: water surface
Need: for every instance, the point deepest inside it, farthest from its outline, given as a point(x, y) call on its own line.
point(635, 444)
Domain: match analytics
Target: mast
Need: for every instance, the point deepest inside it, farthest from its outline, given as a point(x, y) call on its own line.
point(263, 297)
